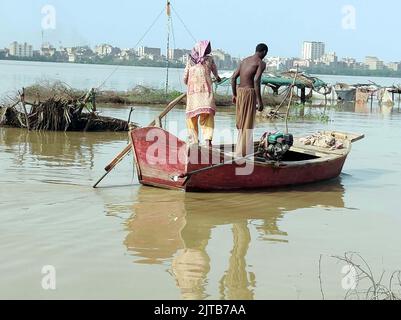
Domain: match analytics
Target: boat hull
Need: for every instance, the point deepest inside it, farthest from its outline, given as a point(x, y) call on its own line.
point(160, 157)
point(265, 176)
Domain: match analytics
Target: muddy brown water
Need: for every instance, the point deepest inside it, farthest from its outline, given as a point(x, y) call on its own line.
point(126, 241)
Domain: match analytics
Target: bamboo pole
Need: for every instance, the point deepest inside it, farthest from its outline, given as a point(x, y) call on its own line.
point(25, 111)
point(128, 148)
point(289, 102)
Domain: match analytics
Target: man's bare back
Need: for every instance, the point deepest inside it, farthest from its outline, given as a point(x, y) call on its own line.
point(250, 73)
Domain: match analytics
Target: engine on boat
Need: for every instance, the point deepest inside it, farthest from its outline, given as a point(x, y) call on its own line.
point(273, 146)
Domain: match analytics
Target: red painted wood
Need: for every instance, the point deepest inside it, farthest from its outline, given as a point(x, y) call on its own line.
point(223, 178)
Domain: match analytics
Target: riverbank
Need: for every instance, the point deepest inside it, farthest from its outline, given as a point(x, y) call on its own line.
point(140, 95)
point(320, 70)
point(103, 61)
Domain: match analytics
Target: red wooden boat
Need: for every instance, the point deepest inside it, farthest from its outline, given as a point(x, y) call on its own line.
point(163, 160)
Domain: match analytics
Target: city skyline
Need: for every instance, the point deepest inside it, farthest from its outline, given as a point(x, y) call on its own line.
point(312, 51)
point(352, 33)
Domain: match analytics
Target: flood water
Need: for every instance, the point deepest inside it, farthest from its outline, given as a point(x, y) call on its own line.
point(126, 241)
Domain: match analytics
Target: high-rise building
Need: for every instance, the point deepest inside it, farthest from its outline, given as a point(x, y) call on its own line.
point(21, 49)
point(312, 50)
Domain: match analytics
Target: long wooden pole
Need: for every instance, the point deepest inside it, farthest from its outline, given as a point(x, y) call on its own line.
point(24, 106)
point(289, 102)
point(189, 174)
point(128, 148)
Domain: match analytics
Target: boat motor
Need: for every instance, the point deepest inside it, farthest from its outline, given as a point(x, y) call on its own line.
point(273, 146)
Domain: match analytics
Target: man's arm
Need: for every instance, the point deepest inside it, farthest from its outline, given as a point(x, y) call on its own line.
point(234, 79)
point(258, 80)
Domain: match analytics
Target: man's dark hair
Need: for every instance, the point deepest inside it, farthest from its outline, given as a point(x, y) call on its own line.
point(261, 47)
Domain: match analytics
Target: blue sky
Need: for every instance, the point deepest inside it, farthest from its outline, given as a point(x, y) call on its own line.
point(236, 25)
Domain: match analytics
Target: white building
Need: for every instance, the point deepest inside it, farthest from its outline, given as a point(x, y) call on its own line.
point(395, 66)
point(374, 63)
point(151, 53)
point(127, 54)
point(329, 58)
point(178, 54)
point(21, 50)
point(104, 50)
point(274, 63)
point(301, 63)
point(47, 50)
point(312, 50)
point(222, 59)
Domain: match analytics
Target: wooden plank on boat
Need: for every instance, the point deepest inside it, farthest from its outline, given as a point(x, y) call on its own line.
point(352, 137)
point(317, 151)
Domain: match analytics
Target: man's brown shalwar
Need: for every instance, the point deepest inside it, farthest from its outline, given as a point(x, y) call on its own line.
point(246, 114)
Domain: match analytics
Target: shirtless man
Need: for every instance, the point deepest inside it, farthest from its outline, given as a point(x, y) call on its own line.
point(247, 96)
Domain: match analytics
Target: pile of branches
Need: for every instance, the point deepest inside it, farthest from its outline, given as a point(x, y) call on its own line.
point(60, 111)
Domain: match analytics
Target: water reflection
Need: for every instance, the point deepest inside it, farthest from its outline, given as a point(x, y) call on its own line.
point(369, 107)
point(174, 228)
point(55, 148)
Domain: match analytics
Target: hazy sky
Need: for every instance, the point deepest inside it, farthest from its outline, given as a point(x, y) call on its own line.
point(234, 25)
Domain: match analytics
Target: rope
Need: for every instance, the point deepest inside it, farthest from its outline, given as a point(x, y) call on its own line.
point(136, 45)
point(183, 23)
point(146, 33)
point(175, 47)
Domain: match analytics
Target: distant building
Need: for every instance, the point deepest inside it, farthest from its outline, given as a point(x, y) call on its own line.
point(222, 59)
point(394, 66)
point(329, 59)
point(77, 54)
point(4, 53)
point(184, 59)
point(302, 63)
point(236, 62)
point(105, 50)
point(72, 57)
point(47, 50)
point(21, 50)
point(350, 62)
point(149, 53)
point(128, 54)
point(178, 54)
point(288, 63)
point(274, 63)
point(312, 50)
point(374, 63)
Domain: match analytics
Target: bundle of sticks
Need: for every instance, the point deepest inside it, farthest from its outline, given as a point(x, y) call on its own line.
point(58, 113)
